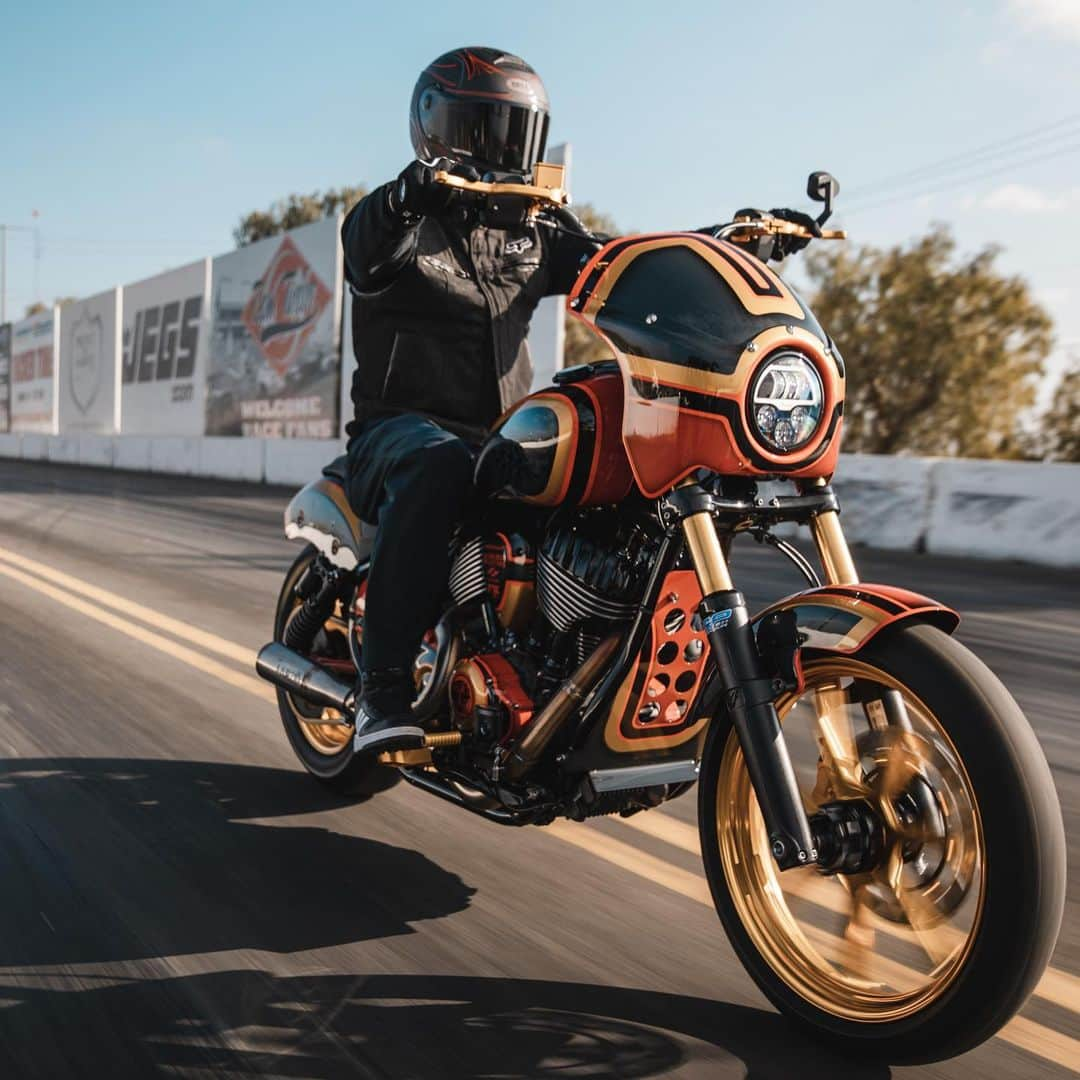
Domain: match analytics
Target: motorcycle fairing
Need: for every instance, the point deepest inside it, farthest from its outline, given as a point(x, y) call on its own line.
point(691, 319)
point(844, 618)
point(321, 515)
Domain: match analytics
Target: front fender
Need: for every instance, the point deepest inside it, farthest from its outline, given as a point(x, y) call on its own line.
point(843, 618)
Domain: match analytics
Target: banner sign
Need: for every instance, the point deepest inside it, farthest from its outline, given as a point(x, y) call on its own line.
point(163, 358)
point(89, 392)
point(5, 377)
point(33, 387)
point(274, 363)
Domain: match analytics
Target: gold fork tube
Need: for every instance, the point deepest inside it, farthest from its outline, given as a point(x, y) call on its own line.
point(832, 549)
point(707, 554)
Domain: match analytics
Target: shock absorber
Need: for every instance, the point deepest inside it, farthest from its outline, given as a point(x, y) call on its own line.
point(319, 587)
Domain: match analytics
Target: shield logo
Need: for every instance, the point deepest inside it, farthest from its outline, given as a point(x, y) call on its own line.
point(284, 306)
point(87, 347)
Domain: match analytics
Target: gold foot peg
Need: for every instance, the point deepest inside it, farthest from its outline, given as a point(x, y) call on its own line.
point(421, 755)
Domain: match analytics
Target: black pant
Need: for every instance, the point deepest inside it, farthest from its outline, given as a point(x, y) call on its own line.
point(412, 479)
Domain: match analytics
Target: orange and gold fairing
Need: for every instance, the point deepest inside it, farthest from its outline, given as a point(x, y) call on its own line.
point(687, 373)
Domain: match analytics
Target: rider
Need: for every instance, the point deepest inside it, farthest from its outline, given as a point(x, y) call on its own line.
point(441, 309)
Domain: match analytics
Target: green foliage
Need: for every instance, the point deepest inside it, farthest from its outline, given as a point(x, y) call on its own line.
point(582, 345)
point(37, 307)
point(295, 210)
point(1060, 429)
point(943, 353)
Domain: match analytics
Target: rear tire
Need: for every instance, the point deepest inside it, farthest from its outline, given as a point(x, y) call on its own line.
point(332, 764)
point(1023, 869)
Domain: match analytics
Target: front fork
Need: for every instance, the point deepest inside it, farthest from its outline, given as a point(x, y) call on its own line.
point(749, 690)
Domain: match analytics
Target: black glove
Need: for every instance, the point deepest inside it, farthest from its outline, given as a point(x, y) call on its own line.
point(783, 246)
point(415, 193)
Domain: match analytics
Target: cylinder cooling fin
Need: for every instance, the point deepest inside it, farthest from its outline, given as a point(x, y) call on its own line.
point(584, 572)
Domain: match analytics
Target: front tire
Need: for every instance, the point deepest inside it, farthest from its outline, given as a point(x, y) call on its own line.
point(935, 961)
point(325, 750)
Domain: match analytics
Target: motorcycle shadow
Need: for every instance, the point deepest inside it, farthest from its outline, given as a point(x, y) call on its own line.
point(112, 860)
point(429, 1027)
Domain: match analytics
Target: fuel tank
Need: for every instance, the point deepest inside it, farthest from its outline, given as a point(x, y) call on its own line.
point(562, 445)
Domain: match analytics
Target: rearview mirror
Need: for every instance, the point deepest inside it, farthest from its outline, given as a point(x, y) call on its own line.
point(823, 187)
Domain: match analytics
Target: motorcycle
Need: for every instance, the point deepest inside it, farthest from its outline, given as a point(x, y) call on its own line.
point(879, 827)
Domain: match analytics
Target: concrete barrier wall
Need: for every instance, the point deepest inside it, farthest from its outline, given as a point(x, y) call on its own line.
point(983, 509)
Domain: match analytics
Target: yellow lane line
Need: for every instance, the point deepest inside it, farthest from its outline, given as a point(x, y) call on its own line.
point(211, 642)
point(1034, 1038)
point(630, 858)
point(171, 648)
point(1057, 987)
point(1044, 1042)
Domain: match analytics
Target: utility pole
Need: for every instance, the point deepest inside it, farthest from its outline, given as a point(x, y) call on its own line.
point(3, 264)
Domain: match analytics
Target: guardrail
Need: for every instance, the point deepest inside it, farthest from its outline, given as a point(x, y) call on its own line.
point(984, 509)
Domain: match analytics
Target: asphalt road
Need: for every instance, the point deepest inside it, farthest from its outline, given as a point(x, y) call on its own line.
point(177, 897)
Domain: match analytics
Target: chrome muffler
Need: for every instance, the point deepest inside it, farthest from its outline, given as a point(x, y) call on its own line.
point(298, 675)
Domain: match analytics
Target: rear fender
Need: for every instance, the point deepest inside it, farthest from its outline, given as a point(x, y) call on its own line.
point(840, 619)
point(320, 514)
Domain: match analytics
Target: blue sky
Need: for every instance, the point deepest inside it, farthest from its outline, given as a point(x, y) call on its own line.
point(141, 133)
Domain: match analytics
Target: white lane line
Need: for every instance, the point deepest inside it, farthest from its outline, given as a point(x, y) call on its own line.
point(194, 634)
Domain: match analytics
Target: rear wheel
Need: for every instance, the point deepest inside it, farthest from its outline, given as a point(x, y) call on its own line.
point(325, 749)
point(951, 919)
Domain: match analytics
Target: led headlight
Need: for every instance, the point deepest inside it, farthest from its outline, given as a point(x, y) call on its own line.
point(786, 401)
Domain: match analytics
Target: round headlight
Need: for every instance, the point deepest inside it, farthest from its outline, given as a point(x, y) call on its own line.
point(786, 402)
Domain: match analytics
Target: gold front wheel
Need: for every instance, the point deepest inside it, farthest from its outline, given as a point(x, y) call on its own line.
point(934, 777)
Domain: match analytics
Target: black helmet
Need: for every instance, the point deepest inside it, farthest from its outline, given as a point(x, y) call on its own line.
point(480, 107)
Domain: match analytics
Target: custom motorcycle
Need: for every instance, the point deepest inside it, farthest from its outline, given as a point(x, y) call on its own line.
point(878, 824)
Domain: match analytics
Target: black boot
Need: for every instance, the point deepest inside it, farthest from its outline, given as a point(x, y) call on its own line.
point(384, 718)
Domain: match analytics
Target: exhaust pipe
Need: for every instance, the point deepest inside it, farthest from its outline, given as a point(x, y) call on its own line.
point(298, 675)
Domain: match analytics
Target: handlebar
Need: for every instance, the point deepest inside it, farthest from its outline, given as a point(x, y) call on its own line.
point(546, 188)
point(752, 228)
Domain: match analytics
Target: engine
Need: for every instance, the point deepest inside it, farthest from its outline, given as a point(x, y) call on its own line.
point(591, 571)
point(587, 577)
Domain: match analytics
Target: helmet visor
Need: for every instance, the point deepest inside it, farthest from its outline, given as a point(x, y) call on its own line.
point(493, 134)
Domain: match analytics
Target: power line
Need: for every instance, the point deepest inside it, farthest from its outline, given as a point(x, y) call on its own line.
point(964, 180)
point(978, 155)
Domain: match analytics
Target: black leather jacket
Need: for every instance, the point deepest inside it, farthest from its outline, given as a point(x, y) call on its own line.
point(441, 310)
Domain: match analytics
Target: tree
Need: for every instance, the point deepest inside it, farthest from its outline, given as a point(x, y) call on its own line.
point(295, 210)
point(37, 307)
point(582, 345)
point(942, 353)
point(1060, 428)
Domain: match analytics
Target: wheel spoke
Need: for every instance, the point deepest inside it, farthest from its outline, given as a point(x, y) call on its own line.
point(836, 740)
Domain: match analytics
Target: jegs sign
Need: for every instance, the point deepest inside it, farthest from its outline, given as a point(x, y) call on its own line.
point(163, 367)
point(274, 369)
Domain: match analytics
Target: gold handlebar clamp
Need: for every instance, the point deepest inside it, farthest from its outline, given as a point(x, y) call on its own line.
point(774, 226)
point(546, 188)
